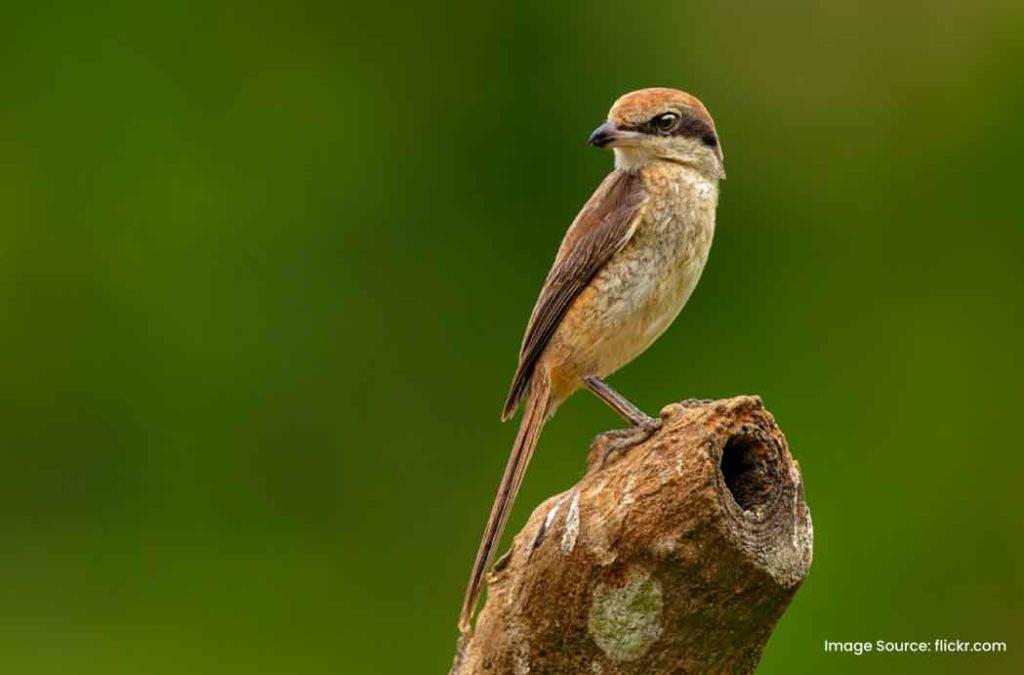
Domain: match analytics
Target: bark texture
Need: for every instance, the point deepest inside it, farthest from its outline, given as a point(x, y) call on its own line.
point(676, 557)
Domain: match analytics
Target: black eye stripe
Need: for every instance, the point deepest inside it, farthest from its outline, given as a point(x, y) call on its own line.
point(688, 126)
point(693, 127)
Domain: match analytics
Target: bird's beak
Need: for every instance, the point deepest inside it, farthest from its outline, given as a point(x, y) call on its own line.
point(610, 135)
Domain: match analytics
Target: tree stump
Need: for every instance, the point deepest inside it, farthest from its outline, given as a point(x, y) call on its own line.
point(677, 557)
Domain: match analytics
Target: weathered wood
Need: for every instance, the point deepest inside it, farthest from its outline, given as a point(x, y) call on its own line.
point(677, 557)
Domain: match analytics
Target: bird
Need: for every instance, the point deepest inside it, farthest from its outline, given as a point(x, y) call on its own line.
point(625, 268)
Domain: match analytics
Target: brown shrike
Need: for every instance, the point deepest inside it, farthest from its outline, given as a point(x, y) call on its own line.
point(625, 268)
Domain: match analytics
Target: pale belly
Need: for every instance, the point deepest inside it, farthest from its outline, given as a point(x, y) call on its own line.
point(635, 298)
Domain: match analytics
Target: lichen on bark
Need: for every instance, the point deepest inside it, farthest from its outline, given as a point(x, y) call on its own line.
point(626, 621)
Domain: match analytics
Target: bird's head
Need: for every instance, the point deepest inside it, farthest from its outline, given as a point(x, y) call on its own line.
point(661, 125)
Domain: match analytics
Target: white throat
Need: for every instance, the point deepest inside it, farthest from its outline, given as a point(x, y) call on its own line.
point(631, 158)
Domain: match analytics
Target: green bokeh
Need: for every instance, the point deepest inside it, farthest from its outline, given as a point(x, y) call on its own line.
point(265, 271)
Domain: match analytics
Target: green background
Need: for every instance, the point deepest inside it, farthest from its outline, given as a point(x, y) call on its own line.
point(266, 268)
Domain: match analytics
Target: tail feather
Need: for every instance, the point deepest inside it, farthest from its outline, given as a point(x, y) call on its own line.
point(534, 415)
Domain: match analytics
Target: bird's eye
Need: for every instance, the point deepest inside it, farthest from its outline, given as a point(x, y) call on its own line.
point(666, 122)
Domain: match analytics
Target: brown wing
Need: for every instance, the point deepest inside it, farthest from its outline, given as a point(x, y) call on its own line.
point(600, 230)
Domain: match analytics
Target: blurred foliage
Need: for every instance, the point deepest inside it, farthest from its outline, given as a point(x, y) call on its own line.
point(266, 267)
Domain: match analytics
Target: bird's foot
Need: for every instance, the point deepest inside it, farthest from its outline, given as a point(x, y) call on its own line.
point(617, 441)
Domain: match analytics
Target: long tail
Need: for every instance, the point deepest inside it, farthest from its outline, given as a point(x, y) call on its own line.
point(535, 413)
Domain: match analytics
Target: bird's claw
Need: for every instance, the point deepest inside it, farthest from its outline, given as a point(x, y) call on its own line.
point(620, 440)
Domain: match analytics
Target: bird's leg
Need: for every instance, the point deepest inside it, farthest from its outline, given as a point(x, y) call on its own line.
point(618, 402)
point(620, 440)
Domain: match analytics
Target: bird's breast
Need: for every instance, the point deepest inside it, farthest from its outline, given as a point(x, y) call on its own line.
point(642, 289)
